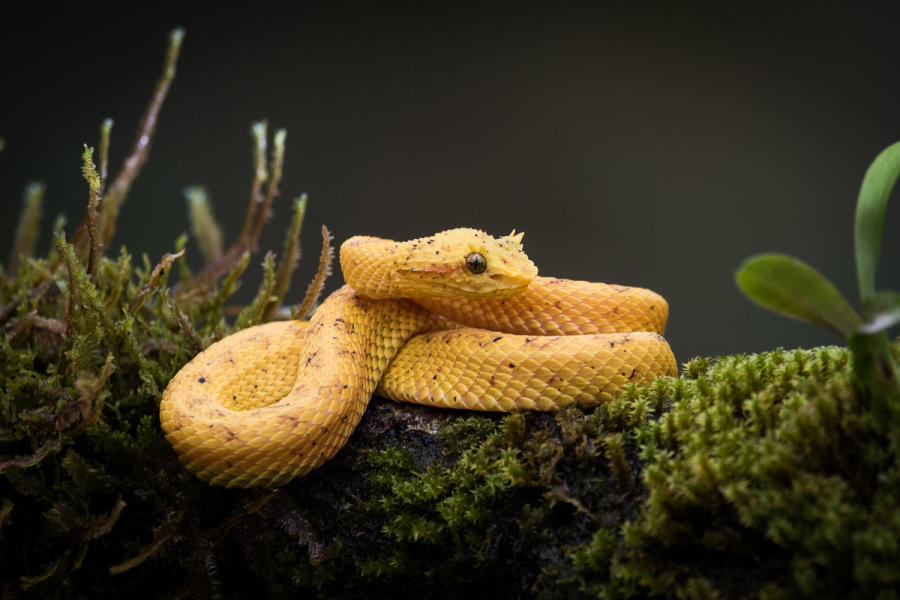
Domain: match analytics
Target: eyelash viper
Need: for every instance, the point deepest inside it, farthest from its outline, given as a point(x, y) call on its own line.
point(483, 332)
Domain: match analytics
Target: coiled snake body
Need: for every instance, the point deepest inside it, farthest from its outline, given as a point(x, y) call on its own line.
point(456, 320)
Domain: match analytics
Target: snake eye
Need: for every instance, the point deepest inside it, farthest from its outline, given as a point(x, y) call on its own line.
point(476, 263)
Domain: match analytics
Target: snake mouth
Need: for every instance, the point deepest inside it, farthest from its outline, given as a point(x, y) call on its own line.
point(436, 283)
point(496, 285)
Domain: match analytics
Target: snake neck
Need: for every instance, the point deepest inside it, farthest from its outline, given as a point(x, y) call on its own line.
point(372, 270)
point(360, 337)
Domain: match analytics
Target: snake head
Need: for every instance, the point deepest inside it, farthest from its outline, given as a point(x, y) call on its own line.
point(461, 262)
point(466, 263)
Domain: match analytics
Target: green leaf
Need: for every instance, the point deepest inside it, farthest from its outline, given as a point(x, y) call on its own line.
point(882, 312)
point(790, 287)
point(871, 207)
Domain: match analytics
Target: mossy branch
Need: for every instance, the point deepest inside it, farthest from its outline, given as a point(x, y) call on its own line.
point(89, 323)
point(33, 459)
point(118, 190)
point(229, 285)
point(163, 534)
point(105, 130)
point(290, 258)
point(91, 399)
point(121, 185)
point(154, 280)
point(82, 292)
point(203, 223)
point(276, 164)
point(59, 226)
point(89, 172)
point(184, 324)
point(253, 312)
point(258, 212)
point(123, 276)
point(314, 290)
point(260, 141)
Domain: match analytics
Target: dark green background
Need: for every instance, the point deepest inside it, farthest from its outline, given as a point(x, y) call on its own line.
point(640, 145)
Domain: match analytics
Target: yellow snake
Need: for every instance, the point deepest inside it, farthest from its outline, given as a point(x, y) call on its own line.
point(459, 320)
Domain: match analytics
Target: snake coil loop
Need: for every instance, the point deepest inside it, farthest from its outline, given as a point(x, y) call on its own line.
point(418, 324)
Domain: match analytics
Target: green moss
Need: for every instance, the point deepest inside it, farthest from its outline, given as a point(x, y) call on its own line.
point(749, 475)
point(769, 467)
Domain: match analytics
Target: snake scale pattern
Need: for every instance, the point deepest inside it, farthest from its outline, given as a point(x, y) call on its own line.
point(458, 320)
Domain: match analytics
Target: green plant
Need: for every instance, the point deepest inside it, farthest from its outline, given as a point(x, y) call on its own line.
point(90, 491)
point(793, 288)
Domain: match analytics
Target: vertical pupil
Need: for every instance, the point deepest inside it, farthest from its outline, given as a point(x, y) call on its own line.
point(476, 263)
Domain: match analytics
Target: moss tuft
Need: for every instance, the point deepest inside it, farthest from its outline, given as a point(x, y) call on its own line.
point(769, 472)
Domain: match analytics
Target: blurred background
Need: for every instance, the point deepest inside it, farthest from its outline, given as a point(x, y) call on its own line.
point(634, 144)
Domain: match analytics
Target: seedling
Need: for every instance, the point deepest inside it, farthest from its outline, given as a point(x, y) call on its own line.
point(791, 287)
